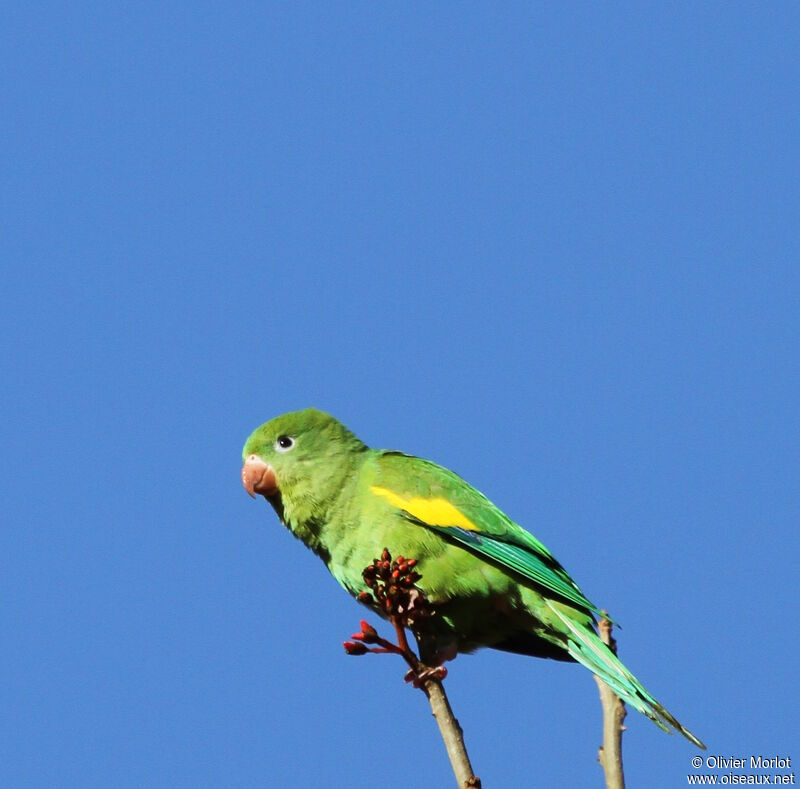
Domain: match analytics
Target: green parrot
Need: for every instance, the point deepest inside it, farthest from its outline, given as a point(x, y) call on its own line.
point(492, 583)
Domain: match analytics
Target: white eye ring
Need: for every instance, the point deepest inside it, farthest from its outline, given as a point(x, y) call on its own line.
point(284, 444)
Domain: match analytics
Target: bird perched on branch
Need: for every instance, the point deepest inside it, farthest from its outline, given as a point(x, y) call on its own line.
point(491, 583)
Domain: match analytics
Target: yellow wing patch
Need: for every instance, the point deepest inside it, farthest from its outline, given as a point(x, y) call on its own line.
point(436, 512)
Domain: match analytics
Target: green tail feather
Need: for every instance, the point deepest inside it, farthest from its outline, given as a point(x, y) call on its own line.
point(586, 647)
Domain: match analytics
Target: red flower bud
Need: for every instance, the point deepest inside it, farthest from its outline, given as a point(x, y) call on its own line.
point(354, 648)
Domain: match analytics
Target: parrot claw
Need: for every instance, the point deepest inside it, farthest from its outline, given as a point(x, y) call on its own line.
point(419, 678)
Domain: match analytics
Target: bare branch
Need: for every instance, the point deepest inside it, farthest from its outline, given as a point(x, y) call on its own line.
point(610, 753)
point(451, 733)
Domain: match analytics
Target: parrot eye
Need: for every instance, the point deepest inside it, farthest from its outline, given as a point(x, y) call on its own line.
point(284, 443)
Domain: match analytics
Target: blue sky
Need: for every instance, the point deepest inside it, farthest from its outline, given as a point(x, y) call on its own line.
point(554, 248)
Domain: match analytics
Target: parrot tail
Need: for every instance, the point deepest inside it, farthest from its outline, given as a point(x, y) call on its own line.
point(585, 646)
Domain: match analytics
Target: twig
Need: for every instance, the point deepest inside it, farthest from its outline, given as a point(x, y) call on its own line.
point(610, 752)
point(394, 592)
point(451, 733)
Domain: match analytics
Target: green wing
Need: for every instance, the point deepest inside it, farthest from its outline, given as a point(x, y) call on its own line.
point(438, 499)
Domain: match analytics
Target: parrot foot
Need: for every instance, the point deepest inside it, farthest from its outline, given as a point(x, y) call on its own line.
point(419, 676)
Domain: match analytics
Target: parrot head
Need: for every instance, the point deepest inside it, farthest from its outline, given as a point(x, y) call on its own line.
point(298, 456)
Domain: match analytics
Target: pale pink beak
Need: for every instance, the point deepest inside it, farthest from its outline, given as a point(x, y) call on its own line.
point(258, 477)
